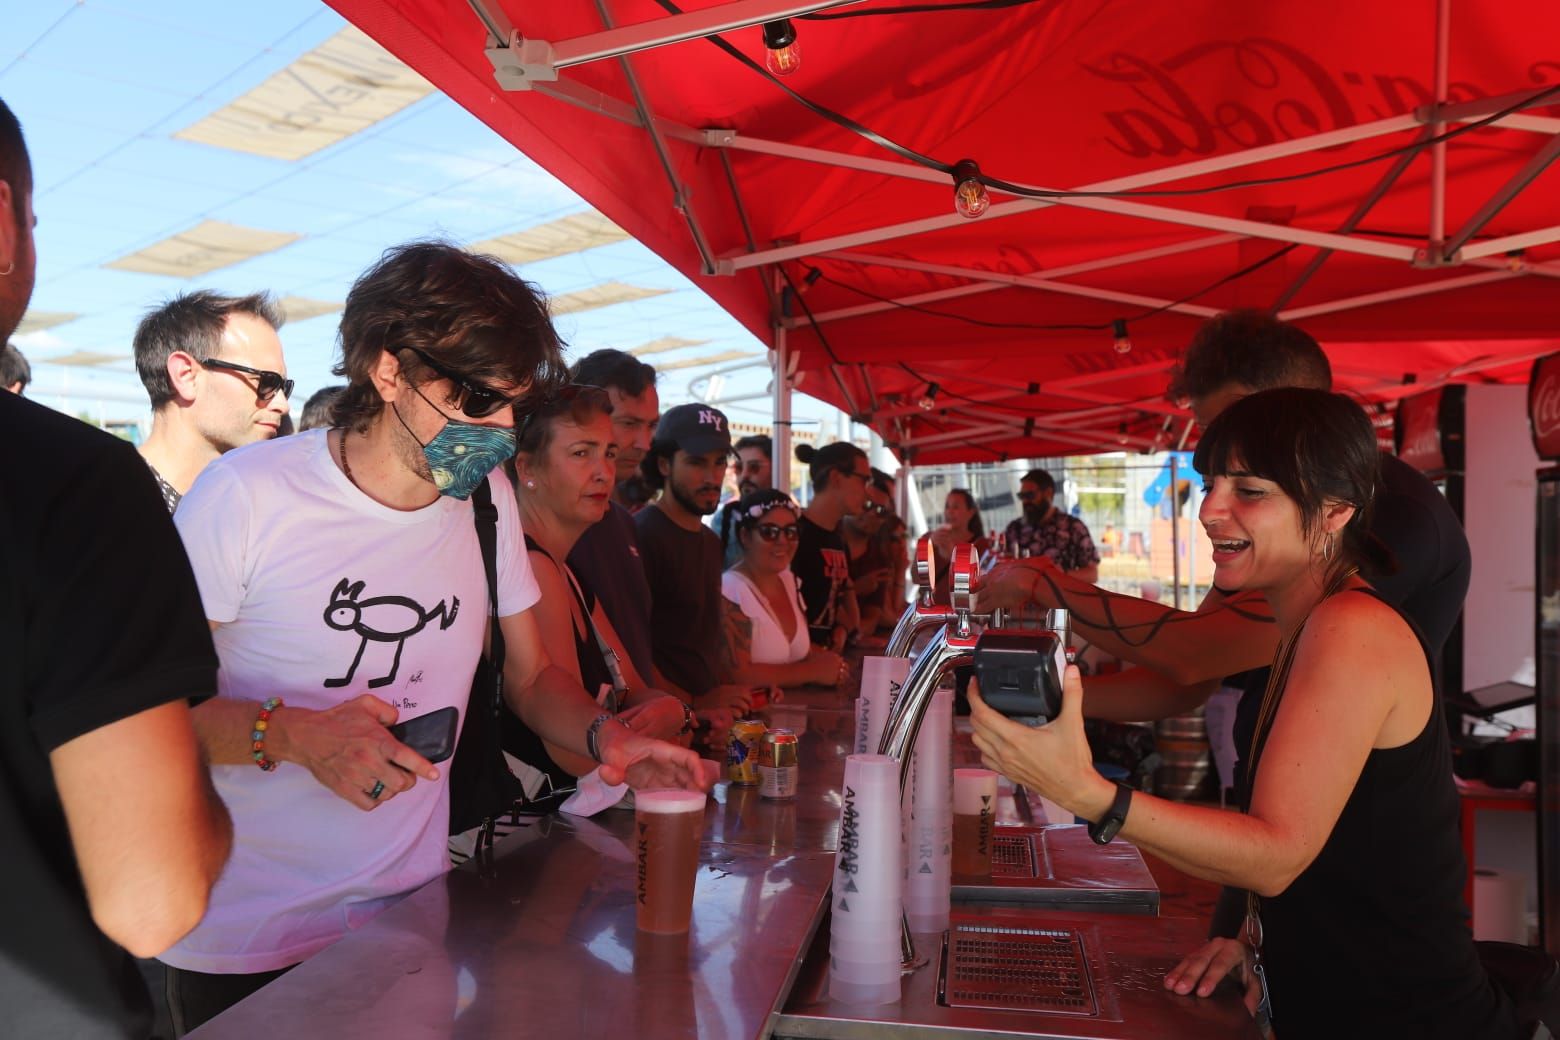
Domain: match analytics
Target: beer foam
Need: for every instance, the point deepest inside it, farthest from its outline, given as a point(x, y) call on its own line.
point(669, 801)
point(968, 787)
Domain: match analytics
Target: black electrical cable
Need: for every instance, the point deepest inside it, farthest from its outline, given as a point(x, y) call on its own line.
point(1026, 191)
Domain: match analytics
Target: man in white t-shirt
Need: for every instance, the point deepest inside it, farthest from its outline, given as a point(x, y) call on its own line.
point(342, 577)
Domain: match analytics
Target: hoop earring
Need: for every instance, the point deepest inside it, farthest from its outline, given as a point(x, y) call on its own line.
point(9, 268)
point(1329, 546)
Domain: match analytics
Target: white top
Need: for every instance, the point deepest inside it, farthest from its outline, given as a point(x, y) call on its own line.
point(323, 594)
point(770, 645)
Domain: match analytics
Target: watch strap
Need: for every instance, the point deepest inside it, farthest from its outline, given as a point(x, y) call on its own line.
point(1108, 826)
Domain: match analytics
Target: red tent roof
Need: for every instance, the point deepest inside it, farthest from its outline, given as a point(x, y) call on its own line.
point(1011, 314)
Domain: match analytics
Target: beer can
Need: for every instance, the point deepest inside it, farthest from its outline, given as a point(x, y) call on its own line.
point(777, 765)
point(742, 751)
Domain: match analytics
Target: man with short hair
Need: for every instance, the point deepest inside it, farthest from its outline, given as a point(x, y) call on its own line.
point(1044, 530)
point(682, 558)
point(15, 372)
point(341, 573)
point(213, 368)
point(316, 410)
point(755, 469)
point(839, 474)
point(607, 558)
point(112, 834)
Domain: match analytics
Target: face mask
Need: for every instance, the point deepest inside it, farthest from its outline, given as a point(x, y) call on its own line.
point(461, 455)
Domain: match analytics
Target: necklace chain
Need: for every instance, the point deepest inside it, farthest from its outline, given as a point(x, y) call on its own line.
point(346, 467)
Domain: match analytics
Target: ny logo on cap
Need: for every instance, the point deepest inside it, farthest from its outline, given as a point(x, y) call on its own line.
point(711, 418)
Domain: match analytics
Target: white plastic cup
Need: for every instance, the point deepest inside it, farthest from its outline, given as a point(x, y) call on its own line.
point(863, 994)
point(868, 880)
point(881, 680)
point(974, 821)
point(929, 832)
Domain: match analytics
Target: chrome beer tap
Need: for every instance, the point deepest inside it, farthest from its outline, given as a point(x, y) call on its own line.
point(923, 613)
point(952, 647)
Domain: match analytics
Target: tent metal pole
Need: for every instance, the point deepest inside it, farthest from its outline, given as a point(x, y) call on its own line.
point(680, 200)
point(780, 385)
point(1525, 240)
point(1443, 50)
point(1366, 204)
point(988, 281)
point(1468, 111)
point(1407, 292)
point(1503, 197)
point(677, 28)
point(1180, 171)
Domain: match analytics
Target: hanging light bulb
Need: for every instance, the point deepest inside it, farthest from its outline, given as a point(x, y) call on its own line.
point(928, 400)
point(969, 194)
point(1121, 434)
point(1123, 342)
point(783, 55)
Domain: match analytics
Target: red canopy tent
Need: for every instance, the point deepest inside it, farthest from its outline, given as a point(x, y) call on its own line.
point(1411, 256)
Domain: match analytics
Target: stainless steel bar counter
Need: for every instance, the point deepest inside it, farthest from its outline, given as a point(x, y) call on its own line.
point(540, 941)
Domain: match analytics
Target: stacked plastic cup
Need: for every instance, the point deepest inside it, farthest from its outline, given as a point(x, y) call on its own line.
point(864, 957)
point(929, 834)
point(881, 679)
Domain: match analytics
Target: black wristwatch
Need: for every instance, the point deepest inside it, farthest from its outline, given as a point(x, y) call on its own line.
point(1109, 825)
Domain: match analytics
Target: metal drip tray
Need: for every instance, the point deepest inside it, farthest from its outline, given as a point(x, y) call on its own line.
point(1014, 968)
point(1020, 855)
point(1058, 867)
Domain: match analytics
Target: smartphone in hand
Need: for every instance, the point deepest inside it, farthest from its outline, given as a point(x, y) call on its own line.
point(432, 735)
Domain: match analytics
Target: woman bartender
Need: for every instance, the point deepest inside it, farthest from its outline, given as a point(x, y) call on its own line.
point(1349, 843)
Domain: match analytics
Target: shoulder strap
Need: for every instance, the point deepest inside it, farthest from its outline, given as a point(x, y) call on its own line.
point(487, 537)
point(608, 655)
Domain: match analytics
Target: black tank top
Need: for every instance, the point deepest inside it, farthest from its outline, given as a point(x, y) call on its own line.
point(1372, 939)
point(518, 738)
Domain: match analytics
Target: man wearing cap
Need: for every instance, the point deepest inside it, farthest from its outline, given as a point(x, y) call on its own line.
point(682, 557)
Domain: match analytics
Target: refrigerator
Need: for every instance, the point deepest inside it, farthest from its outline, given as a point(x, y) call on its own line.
point(1472, 441)
point(1544, 419)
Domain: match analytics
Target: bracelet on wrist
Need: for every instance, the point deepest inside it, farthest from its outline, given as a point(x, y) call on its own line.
point(258, 734)
point(690, 721)
point(593, 734)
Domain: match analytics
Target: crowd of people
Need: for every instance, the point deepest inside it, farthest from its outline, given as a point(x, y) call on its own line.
point(197, 760)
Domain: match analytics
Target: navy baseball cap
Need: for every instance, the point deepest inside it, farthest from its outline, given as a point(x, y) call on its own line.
point(695, 428)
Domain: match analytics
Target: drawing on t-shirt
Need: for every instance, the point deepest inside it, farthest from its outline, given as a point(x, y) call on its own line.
point(836, 567)
point(381, 619)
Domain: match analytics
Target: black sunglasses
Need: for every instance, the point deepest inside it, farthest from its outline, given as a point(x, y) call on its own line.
point(474, 399)
point(570, 397)
point(774, 532)
point(266, 383)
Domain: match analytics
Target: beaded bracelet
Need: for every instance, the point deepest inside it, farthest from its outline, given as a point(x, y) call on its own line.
point(263, 723)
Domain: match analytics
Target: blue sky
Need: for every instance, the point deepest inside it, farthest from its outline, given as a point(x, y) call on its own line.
point(102, 85)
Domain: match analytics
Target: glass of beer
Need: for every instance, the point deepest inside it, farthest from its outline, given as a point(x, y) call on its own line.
point(667, 828)
point(974, 811)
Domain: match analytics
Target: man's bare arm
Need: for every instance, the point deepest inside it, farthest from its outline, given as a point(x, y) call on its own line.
point(150, 834)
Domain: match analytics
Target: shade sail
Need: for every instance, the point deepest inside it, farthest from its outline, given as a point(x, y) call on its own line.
point(1011, 314)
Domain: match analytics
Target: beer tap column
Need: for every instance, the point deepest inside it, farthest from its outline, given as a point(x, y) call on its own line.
point(923, 613)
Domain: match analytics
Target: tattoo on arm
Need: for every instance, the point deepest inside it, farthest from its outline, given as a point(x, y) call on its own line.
point(1251, 608)
point(737, 647)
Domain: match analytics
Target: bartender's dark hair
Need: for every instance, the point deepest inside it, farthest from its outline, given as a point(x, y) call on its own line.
point(1252, 348)
point(1319, 447)
point(840, 456)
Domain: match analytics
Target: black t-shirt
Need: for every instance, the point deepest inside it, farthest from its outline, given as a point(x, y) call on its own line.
point(99, 620)
point(606, 561)
point(683, 569)
point(823, 568)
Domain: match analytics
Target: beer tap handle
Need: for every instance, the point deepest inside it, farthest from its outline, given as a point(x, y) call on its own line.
point(925, 569)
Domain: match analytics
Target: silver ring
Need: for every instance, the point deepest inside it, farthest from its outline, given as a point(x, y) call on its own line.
point(378, 789)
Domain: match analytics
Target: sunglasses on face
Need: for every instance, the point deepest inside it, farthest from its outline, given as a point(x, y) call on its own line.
point(775, 532)
point(572, 398)
point(1029, 496)
point(474, 399)
point(267, 384)
point(877, 509)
